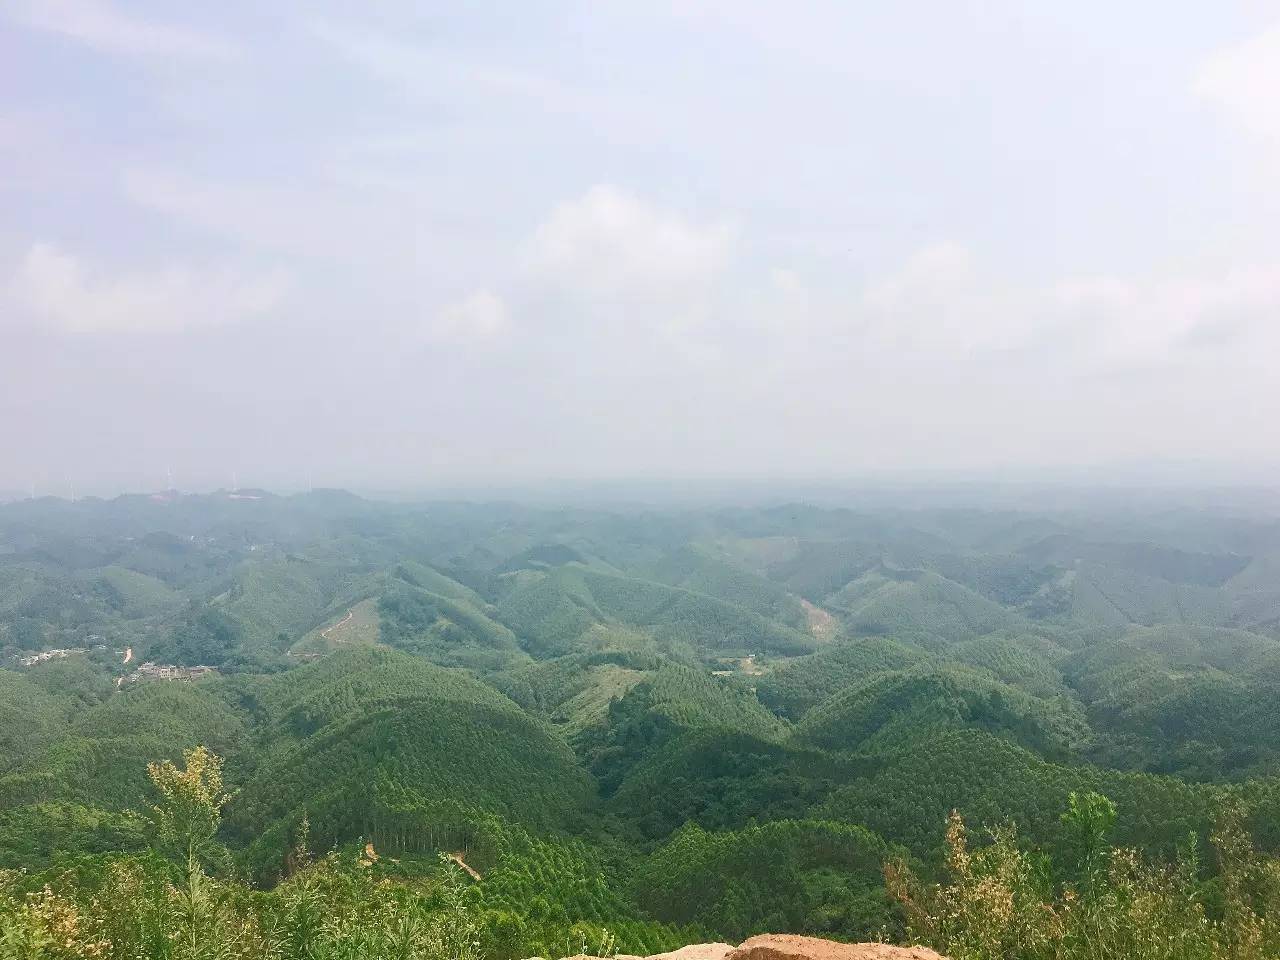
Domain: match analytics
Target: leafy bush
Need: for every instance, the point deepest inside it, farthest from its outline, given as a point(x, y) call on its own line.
point(1002, 901)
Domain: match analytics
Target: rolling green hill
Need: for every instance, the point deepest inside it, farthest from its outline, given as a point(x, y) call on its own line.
point(552, 611)
point(695, 569)
point(31, 720)
point(991, 779)
point(918, 604)
point(666, 724)
point(797, 685)
point(889, 709)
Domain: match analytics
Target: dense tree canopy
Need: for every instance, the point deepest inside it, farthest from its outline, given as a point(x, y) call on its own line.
point(637, 728)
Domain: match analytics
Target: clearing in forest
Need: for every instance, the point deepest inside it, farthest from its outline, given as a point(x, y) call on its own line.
point(821, 624)
point(357, 625)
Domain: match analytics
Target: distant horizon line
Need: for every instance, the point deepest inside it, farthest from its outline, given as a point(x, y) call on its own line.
point(888, 485)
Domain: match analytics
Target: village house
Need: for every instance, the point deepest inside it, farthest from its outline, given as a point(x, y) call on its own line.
point(168, 671)
point(30, 660)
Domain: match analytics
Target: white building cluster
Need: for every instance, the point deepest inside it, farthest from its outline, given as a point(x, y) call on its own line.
point(31, 659)
point(168, 671)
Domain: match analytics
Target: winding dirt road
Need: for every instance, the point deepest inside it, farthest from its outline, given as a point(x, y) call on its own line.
point(324, 634)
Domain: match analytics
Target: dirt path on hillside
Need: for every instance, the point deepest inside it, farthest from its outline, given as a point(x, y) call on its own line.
point(456, 857)
point(324, 634)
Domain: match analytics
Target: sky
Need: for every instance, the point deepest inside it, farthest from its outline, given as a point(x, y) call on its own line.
point(397, 245)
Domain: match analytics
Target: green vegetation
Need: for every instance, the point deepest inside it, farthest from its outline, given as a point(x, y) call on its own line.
point(920, 605)
point(891, 709)
point(637, 729)
point(1000, 900)
point(785, 875)
point(795, 687)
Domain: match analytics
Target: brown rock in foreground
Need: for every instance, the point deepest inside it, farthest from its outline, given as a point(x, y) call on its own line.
point(786, 946)
point(697, 951)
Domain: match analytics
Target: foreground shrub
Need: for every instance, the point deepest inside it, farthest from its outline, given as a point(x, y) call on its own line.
point(1002, 902)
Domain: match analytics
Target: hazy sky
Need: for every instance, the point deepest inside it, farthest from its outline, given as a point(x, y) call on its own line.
point(396, 244)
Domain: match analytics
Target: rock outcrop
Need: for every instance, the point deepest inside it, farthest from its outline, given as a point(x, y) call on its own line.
point(697, 951)
point(786, 946)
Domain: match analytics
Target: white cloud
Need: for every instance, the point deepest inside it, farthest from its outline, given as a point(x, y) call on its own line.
point(1243, 80)
point(609, 244)
point(300, 219)
point(58, 289)
point(641, 284)
point(275, 216)
point(97, 24)
point(481, 317)
point(646, 287)
point(1148, 319)
point(942, 299)
point(479, 97)
point(440, 73)
point(632, 269)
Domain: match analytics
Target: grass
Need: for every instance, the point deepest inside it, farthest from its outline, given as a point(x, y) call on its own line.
point(355, 626)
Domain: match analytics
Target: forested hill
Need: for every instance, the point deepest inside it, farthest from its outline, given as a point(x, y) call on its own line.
point(669, 724)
